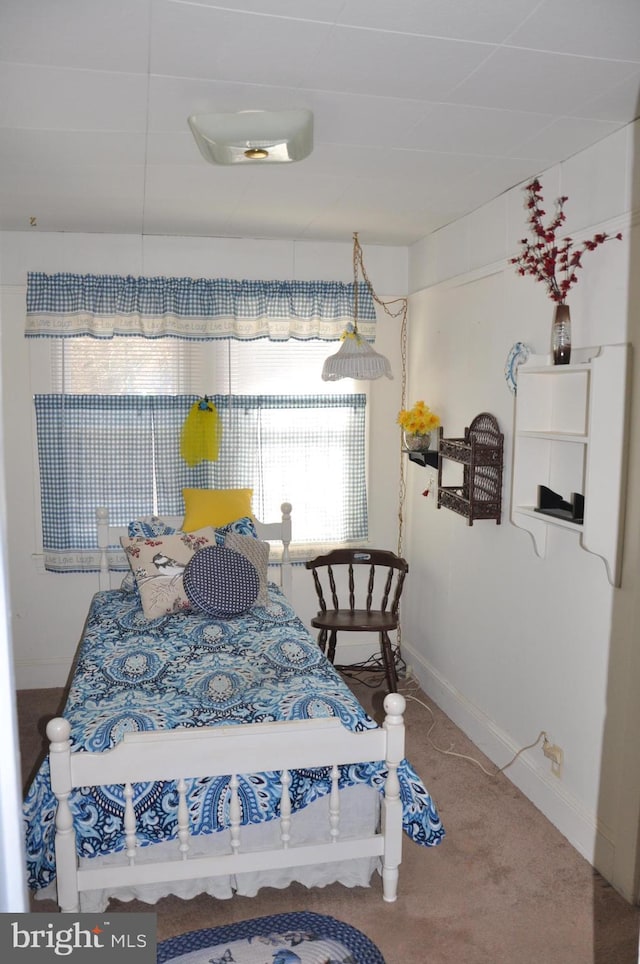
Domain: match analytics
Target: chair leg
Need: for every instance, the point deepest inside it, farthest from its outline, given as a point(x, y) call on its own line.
point(322, 640)
point(389, 664)
point(332, 645)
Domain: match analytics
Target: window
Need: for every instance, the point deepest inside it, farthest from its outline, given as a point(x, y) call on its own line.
point(109, 428)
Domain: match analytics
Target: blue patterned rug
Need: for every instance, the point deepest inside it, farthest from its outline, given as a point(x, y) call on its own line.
point(300, 938)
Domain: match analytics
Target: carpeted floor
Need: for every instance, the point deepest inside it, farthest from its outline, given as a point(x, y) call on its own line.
point(504, 887)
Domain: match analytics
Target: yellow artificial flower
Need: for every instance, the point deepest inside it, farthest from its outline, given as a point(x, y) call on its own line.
point(419, 420)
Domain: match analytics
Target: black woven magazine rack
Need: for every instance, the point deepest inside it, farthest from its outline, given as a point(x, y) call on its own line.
point(480, 452)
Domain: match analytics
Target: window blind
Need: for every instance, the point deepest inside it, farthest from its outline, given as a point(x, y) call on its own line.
point(109, 421)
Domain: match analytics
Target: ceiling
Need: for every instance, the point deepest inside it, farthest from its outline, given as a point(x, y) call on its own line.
point(423, 109)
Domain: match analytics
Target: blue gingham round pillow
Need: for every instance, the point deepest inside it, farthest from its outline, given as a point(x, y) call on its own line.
point(221, 582)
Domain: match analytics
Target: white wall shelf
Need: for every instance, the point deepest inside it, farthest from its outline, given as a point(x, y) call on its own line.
point(570, 436)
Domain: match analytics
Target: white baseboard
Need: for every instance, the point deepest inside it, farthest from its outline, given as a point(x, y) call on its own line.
point(349, 652)
point(542, 788)
point(41, 674)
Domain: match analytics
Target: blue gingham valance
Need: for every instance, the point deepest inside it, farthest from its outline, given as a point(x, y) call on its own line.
point(103, 306)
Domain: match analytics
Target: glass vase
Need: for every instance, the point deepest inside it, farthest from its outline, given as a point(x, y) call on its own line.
point(561, 335)
point(417, 442)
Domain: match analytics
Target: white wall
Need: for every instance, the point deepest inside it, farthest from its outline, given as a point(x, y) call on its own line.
point(13, 889)
point(507, 643)
point(47, 611)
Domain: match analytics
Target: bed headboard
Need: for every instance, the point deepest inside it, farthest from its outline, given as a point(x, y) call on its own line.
point(109, 535)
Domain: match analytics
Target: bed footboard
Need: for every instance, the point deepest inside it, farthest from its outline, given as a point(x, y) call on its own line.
point(182, 754)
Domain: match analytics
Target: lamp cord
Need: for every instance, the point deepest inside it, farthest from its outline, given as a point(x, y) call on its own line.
point(357, 259)
point(395, 308)
point(403, 404)
point(463, 756)
point(358, 265)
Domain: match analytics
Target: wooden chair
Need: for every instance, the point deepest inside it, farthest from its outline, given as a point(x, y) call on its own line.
point(369, 604)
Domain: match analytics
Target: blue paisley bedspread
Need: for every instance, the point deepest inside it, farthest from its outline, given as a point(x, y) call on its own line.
point(187, 669)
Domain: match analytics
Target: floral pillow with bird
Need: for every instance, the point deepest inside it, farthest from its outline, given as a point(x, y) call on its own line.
point(158, 564)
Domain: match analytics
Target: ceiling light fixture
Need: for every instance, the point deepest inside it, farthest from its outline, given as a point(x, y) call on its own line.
point(356, 358)
point(254, 136)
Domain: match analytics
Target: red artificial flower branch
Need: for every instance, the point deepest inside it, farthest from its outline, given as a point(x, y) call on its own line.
point(545, 258)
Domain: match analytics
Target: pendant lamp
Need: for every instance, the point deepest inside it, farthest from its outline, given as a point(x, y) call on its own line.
point(356, 358)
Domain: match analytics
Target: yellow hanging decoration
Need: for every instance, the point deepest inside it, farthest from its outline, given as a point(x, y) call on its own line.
point(201, 432)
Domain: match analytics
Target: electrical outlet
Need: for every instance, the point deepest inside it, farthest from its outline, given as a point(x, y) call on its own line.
point(555, 754)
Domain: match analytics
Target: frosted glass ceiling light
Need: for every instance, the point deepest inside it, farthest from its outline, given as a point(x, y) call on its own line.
point(356, 358)
point(254, 136)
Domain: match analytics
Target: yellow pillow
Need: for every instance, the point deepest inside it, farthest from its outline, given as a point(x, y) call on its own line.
point(217, 506)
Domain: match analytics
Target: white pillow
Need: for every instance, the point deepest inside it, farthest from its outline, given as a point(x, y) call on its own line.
point(158, 563)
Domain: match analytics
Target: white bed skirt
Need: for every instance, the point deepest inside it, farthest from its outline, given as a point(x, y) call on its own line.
point(359, 807)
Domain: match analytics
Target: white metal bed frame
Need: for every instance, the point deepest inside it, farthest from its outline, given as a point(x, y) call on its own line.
point(187, 753)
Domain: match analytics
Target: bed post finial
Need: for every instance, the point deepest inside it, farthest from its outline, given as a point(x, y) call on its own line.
point(58, 731)
point(394, 706)
point(286, 580)
point(285, 509)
